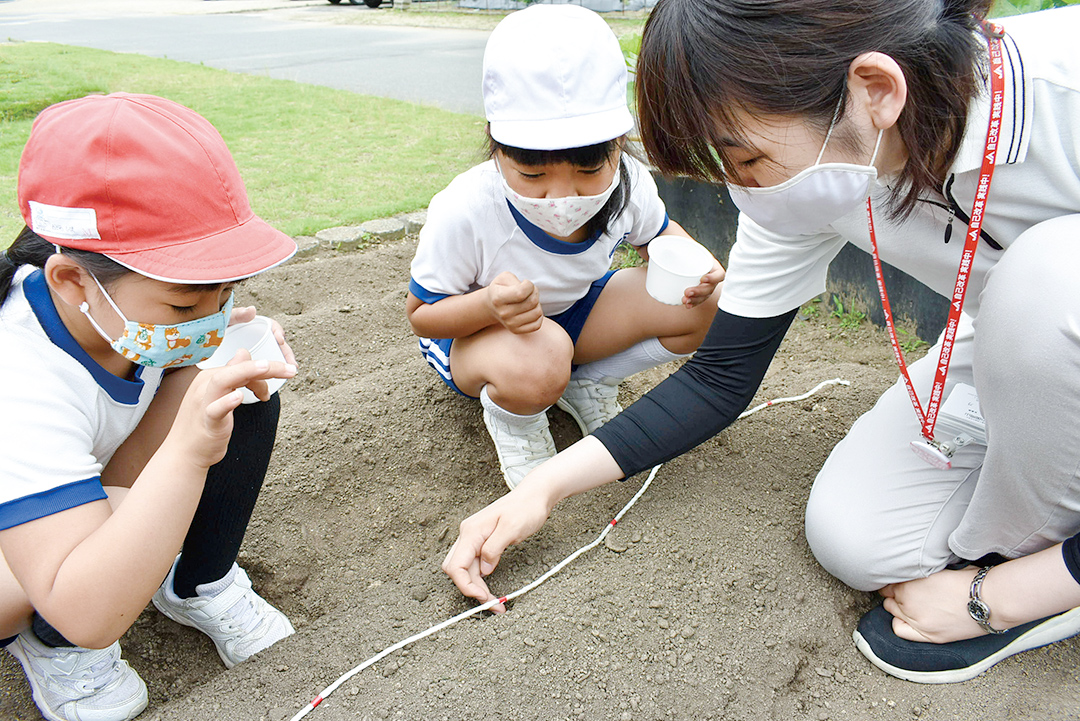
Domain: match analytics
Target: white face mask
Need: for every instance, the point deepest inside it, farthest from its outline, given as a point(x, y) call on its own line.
point(559, 216)
point(813, 198)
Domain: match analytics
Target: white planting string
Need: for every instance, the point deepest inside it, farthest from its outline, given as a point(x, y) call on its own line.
point(550, 572)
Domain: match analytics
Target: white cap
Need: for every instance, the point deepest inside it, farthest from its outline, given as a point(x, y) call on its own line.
point(555, 78)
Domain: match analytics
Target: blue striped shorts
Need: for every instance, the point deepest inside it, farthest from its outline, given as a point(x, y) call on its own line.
point(436, 351)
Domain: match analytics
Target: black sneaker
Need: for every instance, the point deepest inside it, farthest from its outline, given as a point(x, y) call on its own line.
point(958, 660)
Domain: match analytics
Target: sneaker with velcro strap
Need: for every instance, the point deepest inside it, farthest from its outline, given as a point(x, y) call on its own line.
point(591, 403)
point(238, 620)
point(521, 446)
point(924, 662)
point(70, 683)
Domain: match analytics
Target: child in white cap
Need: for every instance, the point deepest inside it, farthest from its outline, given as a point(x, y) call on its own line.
point(511, 292)
point(117, 451)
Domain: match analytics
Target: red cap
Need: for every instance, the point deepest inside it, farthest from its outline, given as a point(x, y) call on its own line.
point(148, 183)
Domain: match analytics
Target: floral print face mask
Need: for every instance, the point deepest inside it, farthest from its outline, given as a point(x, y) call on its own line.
point(559, 216)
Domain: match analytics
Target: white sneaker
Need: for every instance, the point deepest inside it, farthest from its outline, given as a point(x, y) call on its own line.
point(79, 684)
point(521, 447)
point(237, 620)
point(591, 403)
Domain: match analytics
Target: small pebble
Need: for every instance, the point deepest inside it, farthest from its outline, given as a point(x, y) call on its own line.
point(663, 623)
point(529, 642)
point(686, 632)
point(613, 545)
point(826, 672)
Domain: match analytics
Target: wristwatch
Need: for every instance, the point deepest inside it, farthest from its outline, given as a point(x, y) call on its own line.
point(977, 608)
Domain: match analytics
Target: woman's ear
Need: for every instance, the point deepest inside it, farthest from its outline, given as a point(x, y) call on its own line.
point(877, 81)
point(67, 279)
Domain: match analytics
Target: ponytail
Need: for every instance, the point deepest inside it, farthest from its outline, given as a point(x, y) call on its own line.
point(30, 248)
point(705, 64)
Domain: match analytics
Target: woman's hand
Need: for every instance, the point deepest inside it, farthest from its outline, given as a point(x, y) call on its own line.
point(933, 609)
point(486, 534)
point(514, 303)
point(698, 294)
point(204, 420)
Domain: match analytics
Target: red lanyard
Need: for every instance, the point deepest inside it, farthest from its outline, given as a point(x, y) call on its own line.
point(997, 92)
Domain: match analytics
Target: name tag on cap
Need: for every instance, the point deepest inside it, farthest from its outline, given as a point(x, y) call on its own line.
point(55, 221)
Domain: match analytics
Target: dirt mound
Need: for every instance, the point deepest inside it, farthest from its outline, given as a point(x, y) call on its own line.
point(706, 604)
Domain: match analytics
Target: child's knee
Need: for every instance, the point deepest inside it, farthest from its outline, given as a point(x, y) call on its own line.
point(539, 369)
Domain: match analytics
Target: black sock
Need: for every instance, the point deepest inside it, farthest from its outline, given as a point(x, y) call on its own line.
point(47, 634)
point(228, 499)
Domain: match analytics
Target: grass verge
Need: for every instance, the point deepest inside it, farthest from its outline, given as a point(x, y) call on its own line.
point(311, 157)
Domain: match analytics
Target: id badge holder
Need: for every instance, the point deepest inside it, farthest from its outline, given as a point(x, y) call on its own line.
point(960, 421)
point(933, 453)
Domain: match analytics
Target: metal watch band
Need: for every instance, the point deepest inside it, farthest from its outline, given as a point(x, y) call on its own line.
point(977, 608)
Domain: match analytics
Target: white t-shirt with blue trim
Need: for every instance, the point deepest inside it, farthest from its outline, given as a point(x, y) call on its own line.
point(472, 234)
point(1036, 178)
point(62, 416)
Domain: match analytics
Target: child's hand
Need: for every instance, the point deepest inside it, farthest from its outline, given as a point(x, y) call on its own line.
point(204, 420)
point(514, 303)
point(696, 295)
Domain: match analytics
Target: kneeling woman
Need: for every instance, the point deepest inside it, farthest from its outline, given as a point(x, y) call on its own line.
point(818, 115)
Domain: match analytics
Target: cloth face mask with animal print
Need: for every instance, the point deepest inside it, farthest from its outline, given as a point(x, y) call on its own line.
point(160, 345)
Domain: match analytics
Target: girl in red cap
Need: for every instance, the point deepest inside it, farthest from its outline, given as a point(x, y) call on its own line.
point(117, 450)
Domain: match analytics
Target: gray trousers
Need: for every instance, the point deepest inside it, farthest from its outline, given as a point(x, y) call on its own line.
point(878, 514)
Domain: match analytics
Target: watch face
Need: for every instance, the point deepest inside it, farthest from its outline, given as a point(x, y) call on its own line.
point(979, 611)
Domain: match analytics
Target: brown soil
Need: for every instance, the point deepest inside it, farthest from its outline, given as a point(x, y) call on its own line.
point(714, 610)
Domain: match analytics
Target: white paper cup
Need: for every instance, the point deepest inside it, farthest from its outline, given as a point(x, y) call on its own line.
point(257, 336)
point(675, 264)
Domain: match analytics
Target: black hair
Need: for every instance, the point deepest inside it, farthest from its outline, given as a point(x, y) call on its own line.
point(588, 156)
point(30, 248)
point(703, 62)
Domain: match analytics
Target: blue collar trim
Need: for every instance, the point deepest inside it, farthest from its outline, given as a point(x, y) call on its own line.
point(544, 241)
point(37, 294)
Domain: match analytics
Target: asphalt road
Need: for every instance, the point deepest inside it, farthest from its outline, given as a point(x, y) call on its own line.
point(440, 67)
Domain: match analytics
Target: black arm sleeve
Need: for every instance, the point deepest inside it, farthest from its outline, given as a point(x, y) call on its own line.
point(1070, 551)
point(700, 399)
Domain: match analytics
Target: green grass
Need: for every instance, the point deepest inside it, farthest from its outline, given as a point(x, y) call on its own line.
point(311, 157)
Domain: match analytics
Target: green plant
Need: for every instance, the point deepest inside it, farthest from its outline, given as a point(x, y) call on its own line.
point(849, 319)
point(626, 256)
point(812, 309)
point(909, 342)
